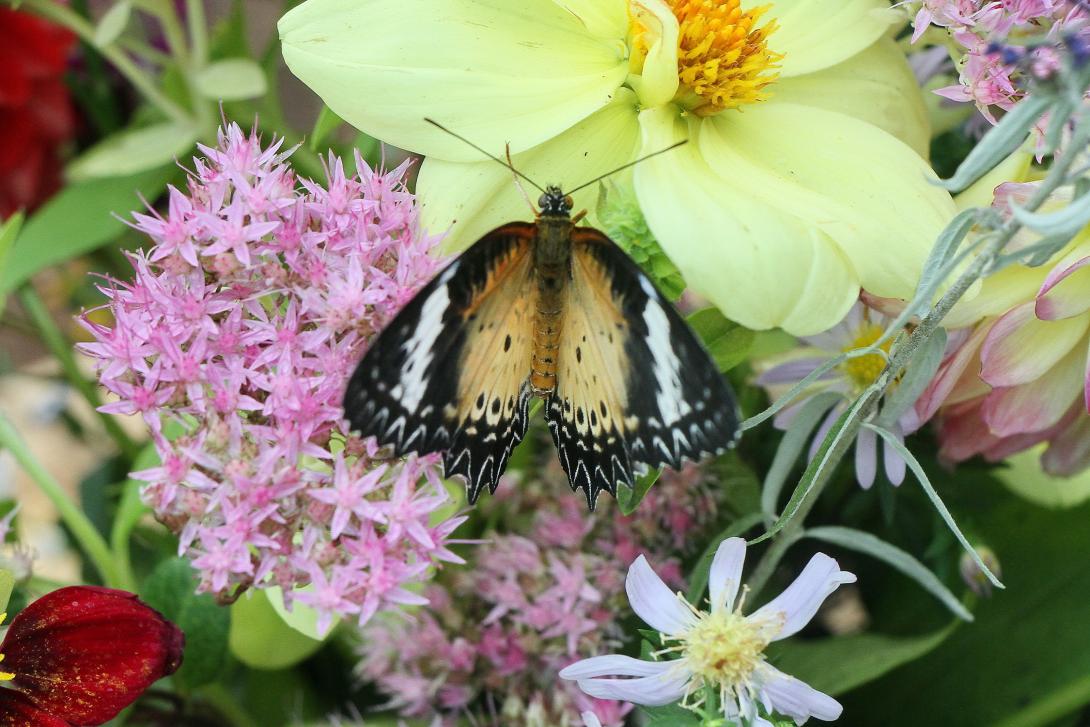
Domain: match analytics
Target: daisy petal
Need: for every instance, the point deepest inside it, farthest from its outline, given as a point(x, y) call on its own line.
point(653, 601)
point(866, 458)
point(801, 600)
point(515, 72)
point(794, 698)
point(725, 575)
point(664, 687)
point(616, 665)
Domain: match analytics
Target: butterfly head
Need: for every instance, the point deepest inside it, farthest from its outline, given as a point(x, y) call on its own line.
point(555, 203)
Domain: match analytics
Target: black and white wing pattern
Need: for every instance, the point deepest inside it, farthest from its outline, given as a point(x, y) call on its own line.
point(635, 387)
point(450, 371)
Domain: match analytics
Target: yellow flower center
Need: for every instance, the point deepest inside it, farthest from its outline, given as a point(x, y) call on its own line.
point(5, 676)
point(864, 371)
point(722, 57)
point(721, 650)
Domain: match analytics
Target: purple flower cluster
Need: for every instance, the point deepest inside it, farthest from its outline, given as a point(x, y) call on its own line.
point(495, 635)
point(998, 38)
point(234, 341)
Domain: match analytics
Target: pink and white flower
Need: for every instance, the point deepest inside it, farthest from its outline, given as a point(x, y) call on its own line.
point(721, 649)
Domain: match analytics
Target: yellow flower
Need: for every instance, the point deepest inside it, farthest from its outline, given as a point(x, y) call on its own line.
point(803, 177)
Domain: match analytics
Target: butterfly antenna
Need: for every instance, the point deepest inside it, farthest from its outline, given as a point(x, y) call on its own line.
point(493, 157)
point(518, 182)
point(630, 164)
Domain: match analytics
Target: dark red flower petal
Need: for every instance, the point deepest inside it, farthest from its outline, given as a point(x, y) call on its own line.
point(83, 654)
point(16, 710)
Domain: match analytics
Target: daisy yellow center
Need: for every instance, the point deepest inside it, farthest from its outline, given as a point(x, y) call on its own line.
point(864, 370)
point(723, 58)
point(722, 648)
point(4, 675)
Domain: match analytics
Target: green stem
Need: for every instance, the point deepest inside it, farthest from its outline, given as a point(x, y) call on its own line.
point(62, 15)
point(89, 539)
point(198, 32)
point(905, 349)
point(61, 348)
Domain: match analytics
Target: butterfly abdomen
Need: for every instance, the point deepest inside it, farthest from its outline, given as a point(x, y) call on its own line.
point(552, 266)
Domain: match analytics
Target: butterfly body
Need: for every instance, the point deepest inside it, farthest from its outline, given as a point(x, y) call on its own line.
point(557, 311)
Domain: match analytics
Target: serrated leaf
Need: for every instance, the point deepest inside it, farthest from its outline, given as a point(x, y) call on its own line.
point(171, 590)
point(863, 542)
point(1000, 141)
point(80, 218)
point(232, 79)
point(726, 341)
point(134, 150)
point(112, 23)
point(629, 498)
point(260, 639)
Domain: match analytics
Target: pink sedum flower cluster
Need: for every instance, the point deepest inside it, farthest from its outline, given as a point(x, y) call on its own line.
point(234, 341)
point(495, 635)
point(994, 80)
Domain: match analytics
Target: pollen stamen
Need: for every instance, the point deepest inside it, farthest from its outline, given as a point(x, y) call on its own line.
point(723, 57)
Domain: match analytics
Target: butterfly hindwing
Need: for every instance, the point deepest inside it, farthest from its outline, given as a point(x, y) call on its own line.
point(449, 373)
point(635, 387)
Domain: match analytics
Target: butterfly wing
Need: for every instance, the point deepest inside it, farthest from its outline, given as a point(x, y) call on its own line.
point(449, 373)
point(635, 387)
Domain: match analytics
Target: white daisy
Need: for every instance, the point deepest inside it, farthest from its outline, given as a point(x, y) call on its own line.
point(721, 649)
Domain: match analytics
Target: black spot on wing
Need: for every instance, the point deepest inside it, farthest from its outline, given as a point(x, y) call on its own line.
point(710, 426)
point(479, 452)
point(375, 400)
point(593, 463)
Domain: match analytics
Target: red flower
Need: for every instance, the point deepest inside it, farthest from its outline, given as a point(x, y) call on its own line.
point(79, 655)
point(35, 112)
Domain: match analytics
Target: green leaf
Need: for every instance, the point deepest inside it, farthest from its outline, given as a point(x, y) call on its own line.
point(726, 341)
point(326, 123)
point(171, 590)
point(629, 498)
point(260, 638)
point(669, 715)
point(942, 252)
point(1000, 141)
point(1024, 477)
point(7, 584)
point(936, 501)
point(233, 79)
point(902, 561)
point(1065, 222)
point(698, 579)
point(112, 23)
point(838, 664)
point(77, 220)
point(134, 150)
point(301, 617)
point(8, 232)
point(794, 439)
point(917, 375)
point(1025, 661)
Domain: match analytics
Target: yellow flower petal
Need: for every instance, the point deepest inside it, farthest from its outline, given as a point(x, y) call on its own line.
point(470, 199)
point(816, 34)
point(865, 189)
point(876, 86)
point(1015, 168)
point(762, 267)
point(515, 72)
point(601, 18)
point(999, 293)
point(658, 80)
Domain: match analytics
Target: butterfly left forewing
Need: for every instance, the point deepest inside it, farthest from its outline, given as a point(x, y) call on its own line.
point(635, 387)
point(449, 372)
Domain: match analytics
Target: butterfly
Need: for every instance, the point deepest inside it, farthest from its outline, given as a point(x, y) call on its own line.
point(552, 310)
